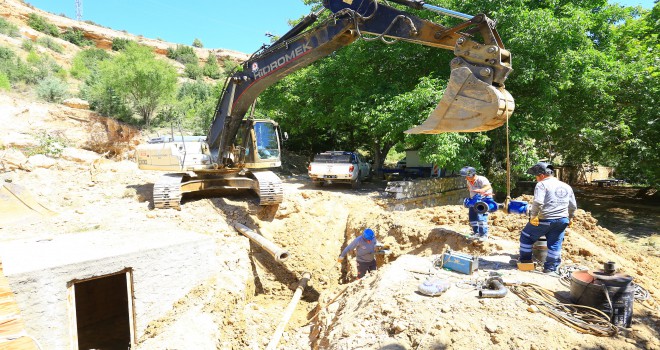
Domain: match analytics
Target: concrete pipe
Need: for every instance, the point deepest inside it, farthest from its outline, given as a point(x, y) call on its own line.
point(278, 253)
point(302, 284)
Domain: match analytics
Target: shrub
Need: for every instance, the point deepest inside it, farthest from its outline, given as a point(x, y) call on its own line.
point(8, 28)
point(40, 24)
point(87, 61)
point(193, 71)
point(52, 89)
point(211, 68)
point(183, 54)
point(230, 66)
point(27, 45)
point(120, 44)
point(197, 43)
point(12, 66)
point(39, 67)
point(108, 102)
point(49, 144)
point(50, 43)
point(4, 82)
point(76, 37)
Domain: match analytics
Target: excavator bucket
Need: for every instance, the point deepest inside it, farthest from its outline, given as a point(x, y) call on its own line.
point(468, 105)
point(16, 203)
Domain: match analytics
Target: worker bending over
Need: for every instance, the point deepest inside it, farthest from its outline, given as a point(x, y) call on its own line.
point(365, 245)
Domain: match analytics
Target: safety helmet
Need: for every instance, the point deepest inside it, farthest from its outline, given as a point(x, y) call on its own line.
point(368, 234)
point(468, 171)
point(540, 168)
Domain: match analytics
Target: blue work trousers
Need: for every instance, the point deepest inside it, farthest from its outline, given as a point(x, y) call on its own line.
point(553, 230)
point(479, 222)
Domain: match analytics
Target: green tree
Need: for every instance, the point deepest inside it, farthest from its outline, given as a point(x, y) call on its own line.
point(211, 68)
point(138, 77)
point(585, 80)
point(197, 43)
point(86, 61)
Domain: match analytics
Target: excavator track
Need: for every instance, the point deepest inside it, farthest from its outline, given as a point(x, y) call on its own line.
point(167, 192)
point(269, 188)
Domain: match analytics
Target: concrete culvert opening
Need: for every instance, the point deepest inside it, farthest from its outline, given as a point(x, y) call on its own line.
point(103, 312)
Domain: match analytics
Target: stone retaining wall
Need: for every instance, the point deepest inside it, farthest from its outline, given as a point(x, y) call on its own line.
point(403, 195)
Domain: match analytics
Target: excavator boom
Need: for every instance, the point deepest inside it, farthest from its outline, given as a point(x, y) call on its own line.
point(475, 99)
point(237, 152)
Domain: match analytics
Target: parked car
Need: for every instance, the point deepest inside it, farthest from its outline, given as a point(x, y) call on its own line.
point(339, 167)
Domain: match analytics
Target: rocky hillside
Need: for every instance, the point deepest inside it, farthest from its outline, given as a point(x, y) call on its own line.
point(17, 12)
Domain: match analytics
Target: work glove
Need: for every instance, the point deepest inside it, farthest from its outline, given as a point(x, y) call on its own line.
point(534, 221)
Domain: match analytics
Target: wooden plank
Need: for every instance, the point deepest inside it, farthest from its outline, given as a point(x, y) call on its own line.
point(11, 323)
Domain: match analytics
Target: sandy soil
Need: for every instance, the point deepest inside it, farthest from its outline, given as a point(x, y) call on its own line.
point(314, 224)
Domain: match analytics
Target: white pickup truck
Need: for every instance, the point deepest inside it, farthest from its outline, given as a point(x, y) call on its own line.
point(339, 167)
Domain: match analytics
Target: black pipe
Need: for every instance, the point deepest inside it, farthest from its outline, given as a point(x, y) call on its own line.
point(496, 289)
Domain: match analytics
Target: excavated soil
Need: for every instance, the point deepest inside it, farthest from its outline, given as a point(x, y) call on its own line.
point(240, 308)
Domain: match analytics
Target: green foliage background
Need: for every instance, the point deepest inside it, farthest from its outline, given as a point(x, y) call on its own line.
point(586, 82)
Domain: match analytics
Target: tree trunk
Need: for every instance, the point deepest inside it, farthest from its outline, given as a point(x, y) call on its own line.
point(380, 152)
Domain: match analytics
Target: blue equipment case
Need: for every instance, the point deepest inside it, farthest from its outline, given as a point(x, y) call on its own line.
point(459, 262)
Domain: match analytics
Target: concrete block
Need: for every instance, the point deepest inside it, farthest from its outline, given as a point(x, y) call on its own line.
point(165, 266)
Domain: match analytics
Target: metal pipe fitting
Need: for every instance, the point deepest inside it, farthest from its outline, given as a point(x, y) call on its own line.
point(481, 204)
point(278, 253)
point(496, 289)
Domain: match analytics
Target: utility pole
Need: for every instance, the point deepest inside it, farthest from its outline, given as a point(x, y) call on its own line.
point(79, 12)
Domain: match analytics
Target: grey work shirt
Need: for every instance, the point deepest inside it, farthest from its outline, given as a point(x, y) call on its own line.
point(553, 199)
point(364, 249)
point(479, 183)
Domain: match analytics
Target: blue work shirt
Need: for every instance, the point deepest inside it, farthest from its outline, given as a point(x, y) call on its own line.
point(365, 249)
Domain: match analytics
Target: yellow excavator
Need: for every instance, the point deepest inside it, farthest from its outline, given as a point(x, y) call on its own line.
point(238, 152)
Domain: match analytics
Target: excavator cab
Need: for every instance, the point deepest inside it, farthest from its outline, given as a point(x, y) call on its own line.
point(257, 144)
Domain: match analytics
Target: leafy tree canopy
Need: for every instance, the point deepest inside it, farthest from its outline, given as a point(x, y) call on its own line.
point(585, 82)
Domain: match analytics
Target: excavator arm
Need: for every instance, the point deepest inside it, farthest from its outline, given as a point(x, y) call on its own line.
point(475, 99)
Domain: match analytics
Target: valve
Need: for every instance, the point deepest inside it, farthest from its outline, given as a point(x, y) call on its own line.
point(486, 204)
point(481, 204)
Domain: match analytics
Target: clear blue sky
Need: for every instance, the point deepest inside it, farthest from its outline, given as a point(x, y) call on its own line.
point(226, 24)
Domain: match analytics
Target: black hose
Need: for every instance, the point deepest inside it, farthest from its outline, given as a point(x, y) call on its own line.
point(496, 289)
